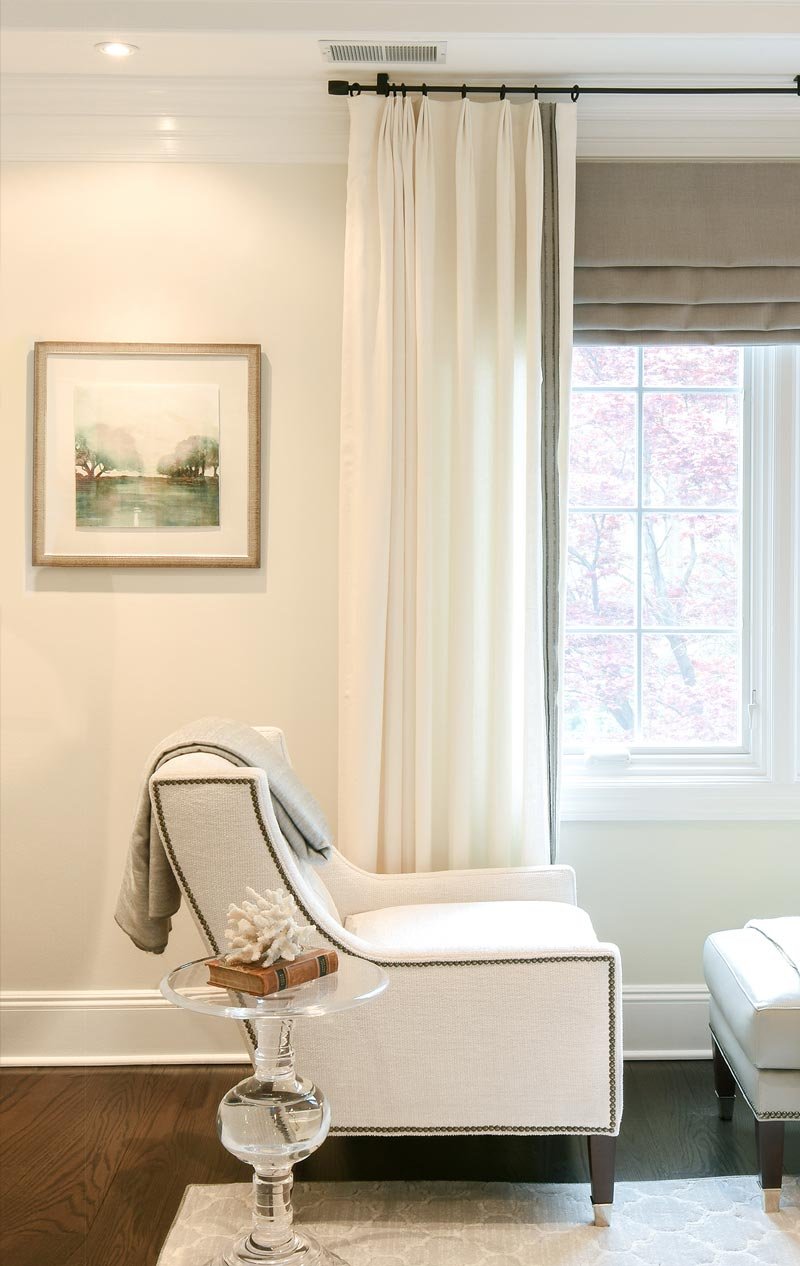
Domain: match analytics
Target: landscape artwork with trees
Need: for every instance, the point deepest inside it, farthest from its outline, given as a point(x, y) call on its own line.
point(146, 455)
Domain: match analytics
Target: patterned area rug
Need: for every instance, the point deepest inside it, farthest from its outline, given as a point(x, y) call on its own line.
point(696, 1222)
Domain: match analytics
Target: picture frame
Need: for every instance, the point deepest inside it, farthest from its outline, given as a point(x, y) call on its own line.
point(146, 455)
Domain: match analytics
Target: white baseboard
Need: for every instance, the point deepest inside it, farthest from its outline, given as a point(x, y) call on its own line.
point(103, 1026)
point(665, 1022)
point(138, 1026)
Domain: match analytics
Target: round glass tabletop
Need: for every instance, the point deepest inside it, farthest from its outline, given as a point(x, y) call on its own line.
point(356, 981)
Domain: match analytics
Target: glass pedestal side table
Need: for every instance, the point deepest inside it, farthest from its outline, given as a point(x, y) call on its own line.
point(273, 1119)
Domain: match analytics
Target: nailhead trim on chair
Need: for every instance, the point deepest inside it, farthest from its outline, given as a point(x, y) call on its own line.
point(346, 949)
point(529, 1130)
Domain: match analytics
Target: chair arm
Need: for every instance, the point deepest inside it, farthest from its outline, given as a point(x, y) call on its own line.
point(354, 889)
point(495, 1043)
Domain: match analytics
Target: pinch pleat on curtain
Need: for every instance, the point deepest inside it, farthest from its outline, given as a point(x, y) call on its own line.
point(446, 658)
point(424, 685)
point(398, 379)
point(365, 471)
point(504, 541)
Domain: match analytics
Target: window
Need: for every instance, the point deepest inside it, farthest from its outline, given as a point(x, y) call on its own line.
point(656, 543)
point(682, 551)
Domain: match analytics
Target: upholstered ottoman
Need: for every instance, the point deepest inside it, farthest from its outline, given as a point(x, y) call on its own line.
point(753, 975)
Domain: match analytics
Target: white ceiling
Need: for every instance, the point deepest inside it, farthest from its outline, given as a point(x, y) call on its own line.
point(424, 16)
point(296, 54)
point(244, 80)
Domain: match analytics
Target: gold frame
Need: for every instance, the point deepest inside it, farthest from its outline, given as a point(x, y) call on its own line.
point(251, 352)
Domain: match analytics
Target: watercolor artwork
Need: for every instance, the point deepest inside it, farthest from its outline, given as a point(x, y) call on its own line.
point(147, 455)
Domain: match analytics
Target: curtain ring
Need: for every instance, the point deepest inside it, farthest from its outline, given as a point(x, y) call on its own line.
point(424, 90)
point(536, 92)
point(576, 92)
point(355, 90)
point(463, 91)
point(403, 91)
point(503, 92)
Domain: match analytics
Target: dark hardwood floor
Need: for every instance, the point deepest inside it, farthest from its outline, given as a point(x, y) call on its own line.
point(93, 1162)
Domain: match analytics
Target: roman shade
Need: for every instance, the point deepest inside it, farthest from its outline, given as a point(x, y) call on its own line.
point(687, 253)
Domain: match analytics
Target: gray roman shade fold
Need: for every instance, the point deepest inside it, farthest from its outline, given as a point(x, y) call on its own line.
point(687, 253)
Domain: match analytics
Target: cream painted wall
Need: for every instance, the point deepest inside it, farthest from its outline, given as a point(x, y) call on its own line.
point(659, 888)
point(97, 665)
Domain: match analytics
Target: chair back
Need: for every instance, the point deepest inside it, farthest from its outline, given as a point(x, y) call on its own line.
point(218, 827)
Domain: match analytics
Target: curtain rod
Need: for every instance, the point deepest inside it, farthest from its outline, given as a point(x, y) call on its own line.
point(384, 88)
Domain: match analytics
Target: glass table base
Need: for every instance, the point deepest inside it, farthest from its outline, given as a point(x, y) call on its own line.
point(305, 1251)
point(274, 1119)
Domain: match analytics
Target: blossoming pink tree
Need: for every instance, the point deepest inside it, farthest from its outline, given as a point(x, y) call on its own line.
point(653, 647)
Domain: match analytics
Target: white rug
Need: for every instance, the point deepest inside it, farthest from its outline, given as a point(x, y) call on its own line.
point(696, 1222)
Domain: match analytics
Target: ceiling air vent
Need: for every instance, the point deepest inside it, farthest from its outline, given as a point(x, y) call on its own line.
point(364, 53)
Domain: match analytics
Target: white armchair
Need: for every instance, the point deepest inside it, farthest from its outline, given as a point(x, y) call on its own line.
point(503, 1011)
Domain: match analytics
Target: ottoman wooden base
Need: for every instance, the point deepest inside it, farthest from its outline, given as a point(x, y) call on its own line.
point(769, 1134)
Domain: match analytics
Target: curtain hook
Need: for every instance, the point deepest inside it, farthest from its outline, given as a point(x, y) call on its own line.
point(424, 90)
point(503, 92)
point(463, 91)
point(576, 92)
point(536, 92)
point(403, 90)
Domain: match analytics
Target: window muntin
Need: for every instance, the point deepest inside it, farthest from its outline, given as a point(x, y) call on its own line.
point(656, 640)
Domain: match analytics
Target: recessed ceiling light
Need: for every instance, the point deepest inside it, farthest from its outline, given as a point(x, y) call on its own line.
point(115, 48)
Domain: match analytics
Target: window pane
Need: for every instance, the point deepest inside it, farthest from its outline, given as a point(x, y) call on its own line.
point(692, 366)
point(601, 569)
point(599, 688)
point(691, 689)
point(691, 449)
point(655, 542)
point(605, 367)
point(602, 449)
point(690, 569)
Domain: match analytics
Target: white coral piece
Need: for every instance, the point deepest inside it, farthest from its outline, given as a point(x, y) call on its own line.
point(264, 929)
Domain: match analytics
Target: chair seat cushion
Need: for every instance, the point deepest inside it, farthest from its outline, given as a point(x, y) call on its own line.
point(757, 989)
point(475, 925)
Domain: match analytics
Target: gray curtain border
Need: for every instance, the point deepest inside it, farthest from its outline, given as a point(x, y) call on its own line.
point(551, 428)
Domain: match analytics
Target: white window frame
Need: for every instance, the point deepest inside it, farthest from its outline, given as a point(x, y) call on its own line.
point(763, 782)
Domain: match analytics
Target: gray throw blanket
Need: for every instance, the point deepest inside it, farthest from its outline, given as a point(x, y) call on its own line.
point(149, 894)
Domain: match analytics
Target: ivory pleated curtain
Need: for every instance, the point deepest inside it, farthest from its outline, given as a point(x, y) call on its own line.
point(456, 352)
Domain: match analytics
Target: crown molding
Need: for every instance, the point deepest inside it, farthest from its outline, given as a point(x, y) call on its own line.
point(85, 118)
point(372, 16)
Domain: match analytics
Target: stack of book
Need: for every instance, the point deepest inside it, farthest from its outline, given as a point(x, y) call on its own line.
point(261, 981)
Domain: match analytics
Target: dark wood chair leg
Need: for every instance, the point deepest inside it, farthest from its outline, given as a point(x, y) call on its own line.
point(724, 1083)
point(602, 1153)
point(769, 1143)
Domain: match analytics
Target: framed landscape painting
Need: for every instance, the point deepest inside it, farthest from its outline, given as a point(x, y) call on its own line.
point(146, 455)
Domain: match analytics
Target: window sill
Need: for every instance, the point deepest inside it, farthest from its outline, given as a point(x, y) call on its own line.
point(677, 798)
